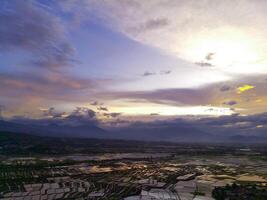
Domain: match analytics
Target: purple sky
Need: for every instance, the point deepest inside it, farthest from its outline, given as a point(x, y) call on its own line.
point(133, 60)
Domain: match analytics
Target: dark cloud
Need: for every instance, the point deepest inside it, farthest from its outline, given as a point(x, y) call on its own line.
point(234, 119)
point(118, 122)
point(48, 112)
point(153, 24)
point(51, 112)
point(27, 25)
point(80, 116)
point(204, 64)
point(1, 111)
point(84, 112)
point(230, 103)
point(112, 115)
point(115, 114)
point(215, 127)
point(150, 25)
point(94, 103)
point(206, 61)
point(188, 128)
point(154, 114)
point(102, 108)
point(165, 72)
point(225, 88)
point(148, 74)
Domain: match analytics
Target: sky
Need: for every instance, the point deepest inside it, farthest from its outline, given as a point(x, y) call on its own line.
point(133, 60)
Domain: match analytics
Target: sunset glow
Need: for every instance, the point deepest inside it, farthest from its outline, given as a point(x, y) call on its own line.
point(129, 59)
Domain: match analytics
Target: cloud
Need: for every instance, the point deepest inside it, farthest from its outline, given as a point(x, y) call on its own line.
point(24, 92)
point(95, 103)
point(148, 74)
point(210, 95)
point(206, 61)
point(48, 111)
point(156, 23)
point(244, 88)
point(175, 129)
point(51, 113)
point(162, 72)
point(204, 64)
point(80, 116)
point(223, 127)
point(102, 108)
point(178, 96)
point(150, 25)
point(84, 112)
point(118, 123)
point(230, 103)
point(225, 88)
point(235, 122)
point(47, 86)
point(189, 29)
point(27, 25)
point(165, 72)
point(209, 56)
point(1, 111)
point(112, 115)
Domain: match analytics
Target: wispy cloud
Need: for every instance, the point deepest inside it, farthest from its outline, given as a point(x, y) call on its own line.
point(165, 72)
point(162, 72)
point(204, 64)
point(26, 25)
point(169, 96)
point(148, 74)
point(48, 86)
point(150, 25)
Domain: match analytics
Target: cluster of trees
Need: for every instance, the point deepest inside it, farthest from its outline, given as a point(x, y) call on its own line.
point(240, 192)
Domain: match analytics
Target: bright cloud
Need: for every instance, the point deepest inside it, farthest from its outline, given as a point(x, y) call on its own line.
point(165, 110)
point(244, 88)
point(233, 31)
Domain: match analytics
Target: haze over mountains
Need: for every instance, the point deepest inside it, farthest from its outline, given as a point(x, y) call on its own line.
point(161, 131)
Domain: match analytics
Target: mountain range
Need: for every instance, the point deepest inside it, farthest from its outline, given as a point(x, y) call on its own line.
point(177, 133)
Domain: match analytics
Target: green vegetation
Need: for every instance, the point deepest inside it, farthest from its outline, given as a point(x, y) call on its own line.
point(199, 193)
point(240, 192)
